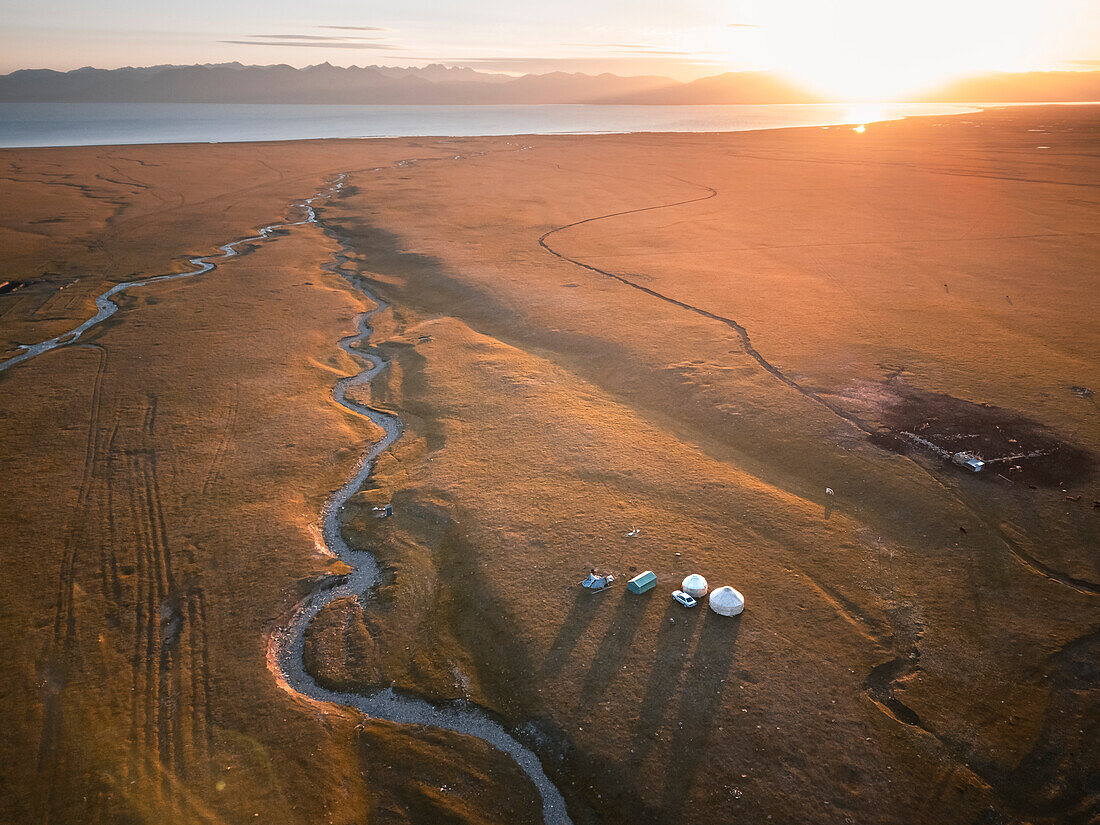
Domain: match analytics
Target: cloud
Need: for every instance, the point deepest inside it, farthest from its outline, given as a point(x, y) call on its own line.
point(356, 28)
point(319, 41)
point(1084, 61)
point(627, 48)
point(325, 44)
point(743, 26)
point(319, 37)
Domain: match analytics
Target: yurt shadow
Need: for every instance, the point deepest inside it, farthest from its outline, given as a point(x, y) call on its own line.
point(672, 656)
point(700, 700)
point(580, 615)
point(614, 647)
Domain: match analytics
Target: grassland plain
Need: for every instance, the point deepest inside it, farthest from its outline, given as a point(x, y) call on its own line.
point(688, 335)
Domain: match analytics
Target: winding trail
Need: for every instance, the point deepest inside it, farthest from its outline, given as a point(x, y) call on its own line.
point(286, 643)
point(742, 333)
point(1025, 558)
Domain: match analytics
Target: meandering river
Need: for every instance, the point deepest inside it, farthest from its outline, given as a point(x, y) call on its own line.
point(285, 643)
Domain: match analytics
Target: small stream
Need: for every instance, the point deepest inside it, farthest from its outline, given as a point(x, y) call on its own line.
point(106, 307)
point(285, 653)
point(285, 645)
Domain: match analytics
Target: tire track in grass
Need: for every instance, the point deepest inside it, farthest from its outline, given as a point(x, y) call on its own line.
point(64, 631)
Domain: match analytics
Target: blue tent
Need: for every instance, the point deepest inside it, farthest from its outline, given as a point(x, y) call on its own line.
point(597, 581)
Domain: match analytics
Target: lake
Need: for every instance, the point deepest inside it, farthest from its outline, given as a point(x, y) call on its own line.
point(106, 124)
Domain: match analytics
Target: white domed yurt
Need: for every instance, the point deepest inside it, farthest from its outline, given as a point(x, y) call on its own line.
point(695, 586)
point(725, 601)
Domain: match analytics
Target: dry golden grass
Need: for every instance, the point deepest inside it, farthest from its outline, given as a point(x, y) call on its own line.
point(699, 370)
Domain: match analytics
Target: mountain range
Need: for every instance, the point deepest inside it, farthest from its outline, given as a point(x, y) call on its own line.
point(438, 84)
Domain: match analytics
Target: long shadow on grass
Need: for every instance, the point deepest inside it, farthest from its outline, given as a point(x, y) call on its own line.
point(672, 655)
point(614, 647)
point(704, 684)
point(576, 622)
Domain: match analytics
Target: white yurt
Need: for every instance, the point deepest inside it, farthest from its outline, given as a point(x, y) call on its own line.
point(725, 601)
point(695, 586)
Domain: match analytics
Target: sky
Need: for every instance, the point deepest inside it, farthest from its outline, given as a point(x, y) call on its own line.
point(847, 48)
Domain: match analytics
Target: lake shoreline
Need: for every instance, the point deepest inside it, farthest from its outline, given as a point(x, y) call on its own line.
point(57, 125)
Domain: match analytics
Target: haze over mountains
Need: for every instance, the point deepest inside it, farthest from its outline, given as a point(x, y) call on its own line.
point(438, 84)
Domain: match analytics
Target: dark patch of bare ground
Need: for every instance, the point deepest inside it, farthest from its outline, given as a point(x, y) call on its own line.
point(1016, 449)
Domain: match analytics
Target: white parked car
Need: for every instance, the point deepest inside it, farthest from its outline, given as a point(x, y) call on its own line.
point(683, 598)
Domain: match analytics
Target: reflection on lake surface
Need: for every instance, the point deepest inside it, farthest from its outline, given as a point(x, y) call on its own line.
point(106, 124)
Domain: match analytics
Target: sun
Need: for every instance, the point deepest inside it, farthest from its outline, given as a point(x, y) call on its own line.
point(862, 50)
point(871, 57)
